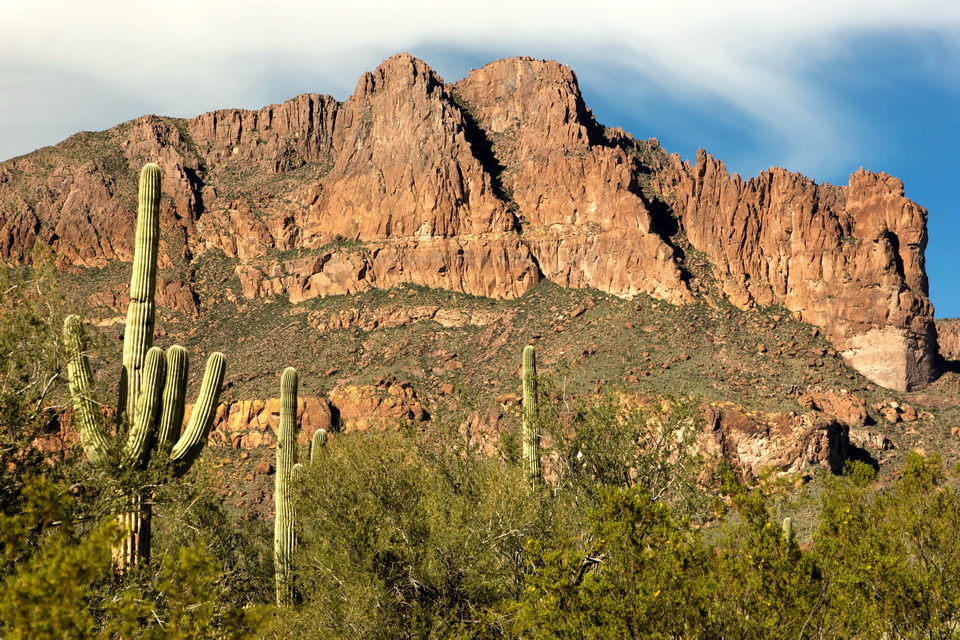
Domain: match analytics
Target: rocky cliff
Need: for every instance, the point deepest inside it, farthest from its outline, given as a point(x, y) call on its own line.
point(847, 259)
point(948, 334)
point(485, 187)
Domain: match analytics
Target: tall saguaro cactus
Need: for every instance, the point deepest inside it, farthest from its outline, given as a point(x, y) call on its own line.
point(152, 398)
point(284, 527)
point(289, 472)
point(531, 426)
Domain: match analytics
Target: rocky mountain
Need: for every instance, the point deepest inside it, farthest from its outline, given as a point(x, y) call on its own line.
point(485, 187)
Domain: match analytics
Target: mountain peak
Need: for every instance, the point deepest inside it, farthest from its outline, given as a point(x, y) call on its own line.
point(487, 187)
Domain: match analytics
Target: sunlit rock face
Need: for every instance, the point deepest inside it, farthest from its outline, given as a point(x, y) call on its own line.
point(485, 186)
point(847, 259)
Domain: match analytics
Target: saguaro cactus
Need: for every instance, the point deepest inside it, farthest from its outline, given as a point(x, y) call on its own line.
point(788, 530)
point(531, 426)
point(152, 398)
point(317, 444)
point(284, 527)
point(289, 472)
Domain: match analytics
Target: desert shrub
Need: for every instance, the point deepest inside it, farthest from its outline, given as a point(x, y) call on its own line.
point(31, 373)
point(891, 556)
point(400, 541)
point(641, 574)
point(60, 582)
point(180, 597)
point(191, 514)
point(612, 440)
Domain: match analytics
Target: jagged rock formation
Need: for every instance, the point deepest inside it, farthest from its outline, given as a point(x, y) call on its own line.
point(484, 187)
point(584, 217)
point(948, 333)
point(848, 259)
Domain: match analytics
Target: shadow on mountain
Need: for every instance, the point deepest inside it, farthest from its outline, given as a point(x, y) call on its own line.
point(948, 366)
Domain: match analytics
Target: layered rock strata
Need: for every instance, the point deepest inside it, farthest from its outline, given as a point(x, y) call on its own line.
point(483, 187)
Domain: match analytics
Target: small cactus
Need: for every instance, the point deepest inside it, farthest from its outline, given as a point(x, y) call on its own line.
point(788, 530)
point(531, 427)
point(317, 445)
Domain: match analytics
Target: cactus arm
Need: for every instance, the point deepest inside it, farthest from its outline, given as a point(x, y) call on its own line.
point(191, 443)
point(85, 412)
point(138, 335)
point(317, 444)
point(283, 529)
point(140, 436)
point(531, 435)
point(174, 396)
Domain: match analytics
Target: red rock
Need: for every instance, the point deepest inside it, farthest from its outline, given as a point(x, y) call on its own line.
point(870, 440)
point(263, 469)
point(483, 187)
point(848, 408)
point(890, 414)
point(948, 336)
point(583, 218)
point(250, 424)
point(384, 406)
point(782, 442)
point(846, 259)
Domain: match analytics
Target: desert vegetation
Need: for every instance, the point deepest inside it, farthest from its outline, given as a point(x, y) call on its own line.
point(592, 516)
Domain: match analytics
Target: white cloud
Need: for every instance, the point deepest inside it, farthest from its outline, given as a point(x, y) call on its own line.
point(89, 61)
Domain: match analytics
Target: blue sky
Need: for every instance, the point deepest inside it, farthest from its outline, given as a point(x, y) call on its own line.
point(822, 87)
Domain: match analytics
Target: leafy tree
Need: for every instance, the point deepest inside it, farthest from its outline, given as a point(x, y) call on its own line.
point(50, 570)
point(612, 440)
point(31, 370)
point(766, 586)
point(183, 601)
point(643, 575)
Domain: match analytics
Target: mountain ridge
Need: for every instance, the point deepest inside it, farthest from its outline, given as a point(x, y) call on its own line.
point(484, 186)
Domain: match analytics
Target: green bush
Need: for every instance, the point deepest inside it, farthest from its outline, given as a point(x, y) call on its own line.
point(613, 441)
point(402, 541)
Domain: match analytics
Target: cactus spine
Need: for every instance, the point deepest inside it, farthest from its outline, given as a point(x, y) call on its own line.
point(150, 407)
point(531, 427)
point(284, 534)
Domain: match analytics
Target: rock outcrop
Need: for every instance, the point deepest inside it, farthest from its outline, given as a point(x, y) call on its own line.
point(948, 333)
point(784, 443)
point(847, 259)
point(485, 186)
point(583, 214)
point(249, 424)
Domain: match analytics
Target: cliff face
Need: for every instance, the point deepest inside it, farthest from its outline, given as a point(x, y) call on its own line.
point(847, 259)
point(484, 187)
point(948, 334)
point(584, 217)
